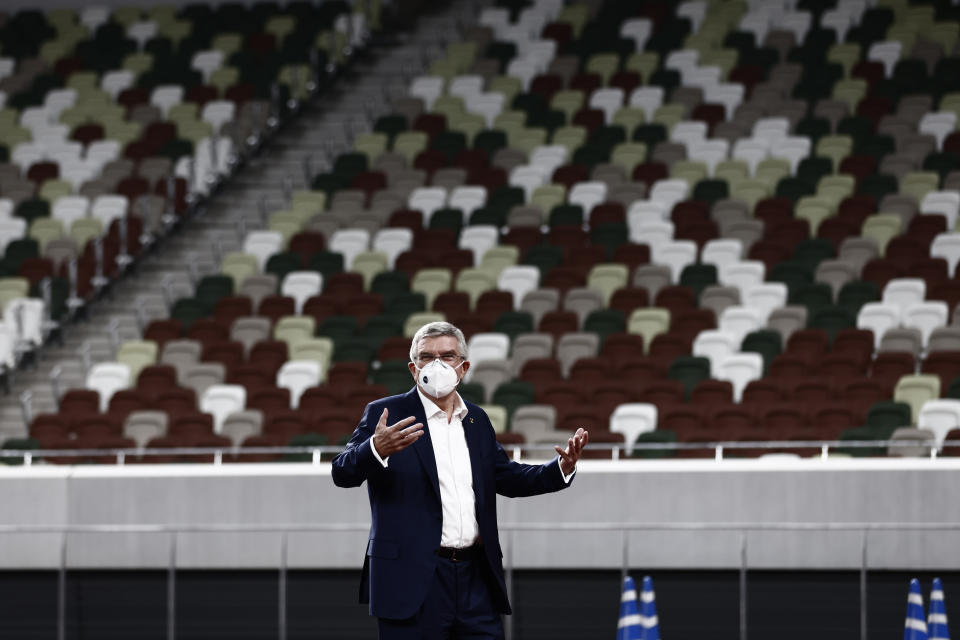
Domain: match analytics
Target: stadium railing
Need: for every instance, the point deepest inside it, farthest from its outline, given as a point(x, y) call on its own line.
point(519, 452)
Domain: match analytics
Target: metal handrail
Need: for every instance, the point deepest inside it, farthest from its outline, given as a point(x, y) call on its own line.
point(518, 451)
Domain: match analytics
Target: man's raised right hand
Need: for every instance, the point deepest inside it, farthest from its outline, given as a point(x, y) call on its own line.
point(397, 437)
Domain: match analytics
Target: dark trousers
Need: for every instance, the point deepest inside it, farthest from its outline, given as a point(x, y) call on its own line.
point(458, 607)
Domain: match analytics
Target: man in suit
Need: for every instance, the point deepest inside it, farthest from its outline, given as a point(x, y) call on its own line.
point(433, 565)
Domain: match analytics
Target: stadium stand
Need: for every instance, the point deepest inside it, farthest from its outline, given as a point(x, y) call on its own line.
point(706, 221)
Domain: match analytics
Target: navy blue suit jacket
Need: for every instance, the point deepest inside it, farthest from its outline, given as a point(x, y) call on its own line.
point(405, 504)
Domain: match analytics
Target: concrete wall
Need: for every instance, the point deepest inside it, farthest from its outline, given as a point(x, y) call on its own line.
point(645, 492)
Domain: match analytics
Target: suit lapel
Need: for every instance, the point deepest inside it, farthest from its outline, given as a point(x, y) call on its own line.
point(424, 445)
point(472, 431)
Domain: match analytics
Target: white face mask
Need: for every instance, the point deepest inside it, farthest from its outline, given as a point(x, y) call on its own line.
point(438, 378)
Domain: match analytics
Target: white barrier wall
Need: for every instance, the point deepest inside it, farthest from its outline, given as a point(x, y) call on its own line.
point(654, 493)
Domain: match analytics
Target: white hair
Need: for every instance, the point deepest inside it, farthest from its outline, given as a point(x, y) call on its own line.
point(436, 330)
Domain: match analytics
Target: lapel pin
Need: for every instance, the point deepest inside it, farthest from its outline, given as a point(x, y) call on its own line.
point(471, 420)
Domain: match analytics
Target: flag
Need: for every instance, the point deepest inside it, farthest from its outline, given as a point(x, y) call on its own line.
point(648, 611)
point(915, 627)
point(937, 622)
point(628, 627)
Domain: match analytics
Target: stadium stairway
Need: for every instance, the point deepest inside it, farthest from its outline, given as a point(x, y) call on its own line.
point(304, 146)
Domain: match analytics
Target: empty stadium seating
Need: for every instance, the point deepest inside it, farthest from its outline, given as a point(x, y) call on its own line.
point(704, 221)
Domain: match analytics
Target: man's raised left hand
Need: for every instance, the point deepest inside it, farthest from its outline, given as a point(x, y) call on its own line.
point(570, 455)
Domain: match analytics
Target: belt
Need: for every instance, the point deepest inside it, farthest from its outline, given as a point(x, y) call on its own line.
point(458, 554)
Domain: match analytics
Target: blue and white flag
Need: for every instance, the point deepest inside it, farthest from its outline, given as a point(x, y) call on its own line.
point(937, 621)
point(628, 627)
point(648, 611)
point(915, 627)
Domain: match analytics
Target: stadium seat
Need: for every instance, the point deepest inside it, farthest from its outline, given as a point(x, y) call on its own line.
point(715, 345)
point(297, 376)
point(301, 285)
point(633, 419)
point(915, 390)
point(739, 369)
point(106, 378)
point(939, 417)
point(537, 423)
point(910, 442)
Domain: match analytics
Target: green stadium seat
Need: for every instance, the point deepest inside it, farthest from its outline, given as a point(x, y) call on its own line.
point(656, 436)
point(388, 284)
point(545, 257)
point(280, 264)
point(768, 343)
point(187, 311)
point(813, 251)
point(354, 349)
point(305, 440)
point(511, 395)
point(791, 273)
point(854, 295)
point(394, 375)
point(471, 392)
point(513, 323)
point(338, 328)
point(17, 444)
point(886, 417)
point(690, 371)
point(832, 319)
point(605, 322)
point(698, 277)
point(327, 263)
point(404, 304)
point(211, 289)
point(814, 296)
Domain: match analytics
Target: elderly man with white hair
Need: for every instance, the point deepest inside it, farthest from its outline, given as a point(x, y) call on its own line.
point(433, 566)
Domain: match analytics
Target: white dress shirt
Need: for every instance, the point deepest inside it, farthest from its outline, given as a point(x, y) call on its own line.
point(454, 472)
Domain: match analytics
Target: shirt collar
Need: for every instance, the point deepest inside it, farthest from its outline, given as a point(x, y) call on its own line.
point(430, 407)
